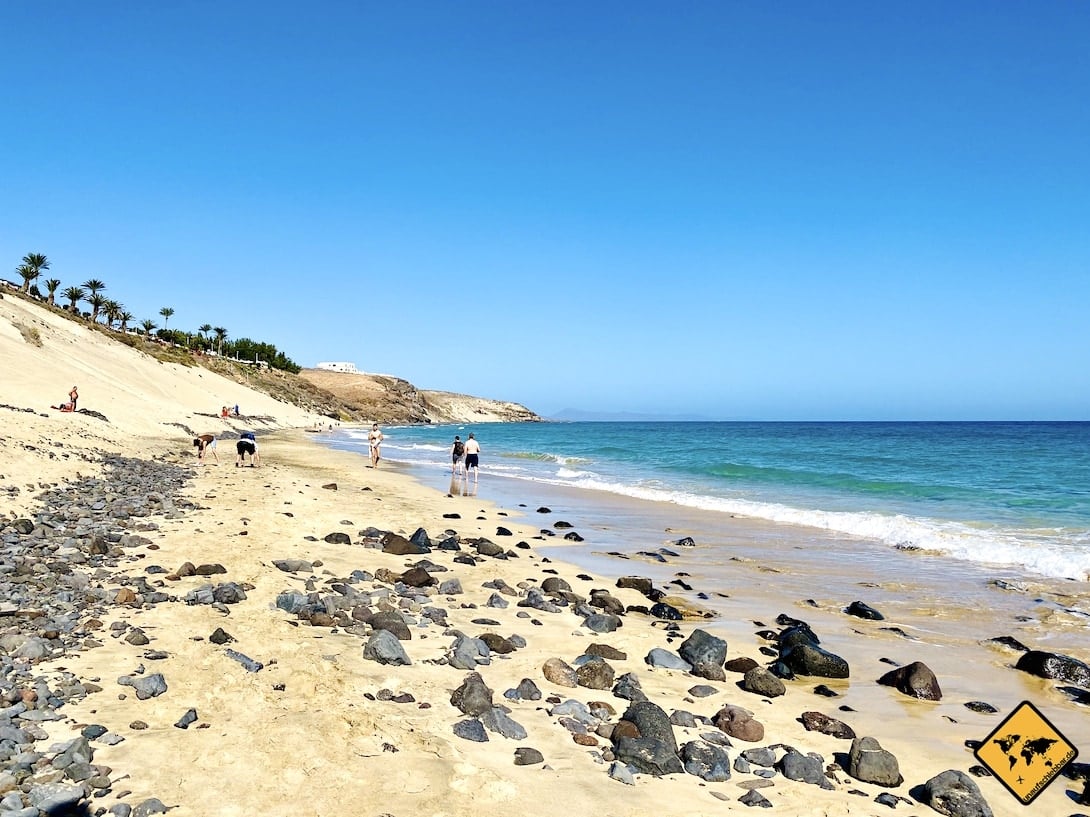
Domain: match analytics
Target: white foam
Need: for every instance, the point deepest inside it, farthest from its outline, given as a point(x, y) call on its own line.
point(1053, 553)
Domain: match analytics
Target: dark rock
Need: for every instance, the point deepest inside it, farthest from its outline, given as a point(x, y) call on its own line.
point(338, 538)
point(807, 768)
point(818, 722)
point(955, 794)
point(809, 659)
point(798, 632)
point(418, 577)
point(755, 798)
point(861, 610)
point(739, 723)
point(400, 546)
point(498, 721)
point(558, 672)
point(526, 756)
point(915, 680)
point(607, 652)
point(741, 664)
point(628, 688)
point(471, 730)
point(554, 585)
point(664, 659)
point(706, 761)
point(497, 643)
point(638, 583)
point(385, 648)
point(473, 697)
point(595, 674)
point(666, 612)
point(762, 682)
point(189, 717)
point(602, 623)
point(869, 762)
point(392, 622)
point(1009, 641)
point(648, 755)
point(1055, 667)
point(702, 648)
point(981, 706)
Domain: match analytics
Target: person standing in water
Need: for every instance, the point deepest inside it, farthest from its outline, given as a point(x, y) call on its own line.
point(457, 455)
point(473, 451)
point(375, 439)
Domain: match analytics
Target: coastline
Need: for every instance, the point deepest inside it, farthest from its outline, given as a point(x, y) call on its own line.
point(330, 728)
point(100, 602)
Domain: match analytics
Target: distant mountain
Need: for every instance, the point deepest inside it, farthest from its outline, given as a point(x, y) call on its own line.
point(572, 415)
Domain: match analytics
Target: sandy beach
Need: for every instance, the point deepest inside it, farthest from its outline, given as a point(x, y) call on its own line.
point(321, 727)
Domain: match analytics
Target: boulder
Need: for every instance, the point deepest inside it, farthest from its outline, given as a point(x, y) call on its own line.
point(385, 648)
point(809, 659)
point(762, 682)
point(916, 680)
point(558, 672)
point(819, 722)
point(400, 546)
point(869, 762)
point(702, 648)
point(595, 674)
point(739, 723)
point(473, 697)
point(1055, 667)
point(861, 610)
point(955, 794)
point(708, 762)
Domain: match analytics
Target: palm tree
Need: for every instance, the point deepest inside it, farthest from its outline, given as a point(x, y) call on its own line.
point(166, 312)
point(97, 302)
point(74, 294)
point(113, 311)
point(51, 287)
point(202, 332)
point(124, 317)
point(28, 274)
point(148, 325)
point(221, 336)
point(34, 263)
point(94, 286)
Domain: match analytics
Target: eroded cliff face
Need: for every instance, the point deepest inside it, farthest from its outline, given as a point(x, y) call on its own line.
point(386, 399)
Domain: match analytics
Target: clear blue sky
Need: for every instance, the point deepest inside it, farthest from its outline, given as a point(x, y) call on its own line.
point(738, 210)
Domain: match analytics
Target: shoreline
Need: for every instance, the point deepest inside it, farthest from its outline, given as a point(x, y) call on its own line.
point(318, 716)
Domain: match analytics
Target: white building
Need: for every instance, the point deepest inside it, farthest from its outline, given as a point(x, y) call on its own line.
point(350, 368)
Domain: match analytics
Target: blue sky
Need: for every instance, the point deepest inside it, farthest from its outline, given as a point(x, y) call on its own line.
point(736, 210)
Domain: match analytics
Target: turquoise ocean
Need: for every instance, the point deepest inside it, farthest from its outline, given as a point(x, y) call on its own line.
point(1011, 494)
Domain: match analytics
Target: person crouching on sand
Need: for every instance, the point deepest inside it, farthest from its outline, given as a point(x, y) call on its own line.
point(247, 444)
point(203, 443)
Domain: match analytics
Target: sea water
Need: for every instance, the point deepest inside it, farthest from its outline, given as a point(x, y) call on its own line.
point(999, 493)
point(958, 533)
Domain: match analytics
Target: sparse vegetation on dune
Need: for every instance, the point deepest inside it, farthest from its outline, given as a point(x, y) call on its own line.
point(261, 366)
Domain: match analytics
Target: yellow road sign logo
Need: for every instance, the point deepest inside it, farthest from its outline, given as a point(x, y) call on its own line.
point(1026, 752)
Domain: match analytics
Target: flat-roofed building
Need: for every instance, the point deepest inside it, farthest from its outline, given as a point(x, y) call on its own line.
point(349, 368)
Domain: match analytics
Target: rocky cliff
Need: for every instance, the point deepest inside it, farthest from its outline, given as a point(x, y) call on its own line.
point(386, 399)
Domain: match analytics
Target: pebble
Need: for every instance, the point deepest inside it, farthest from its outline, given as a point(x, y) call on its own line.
point(64, 562)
